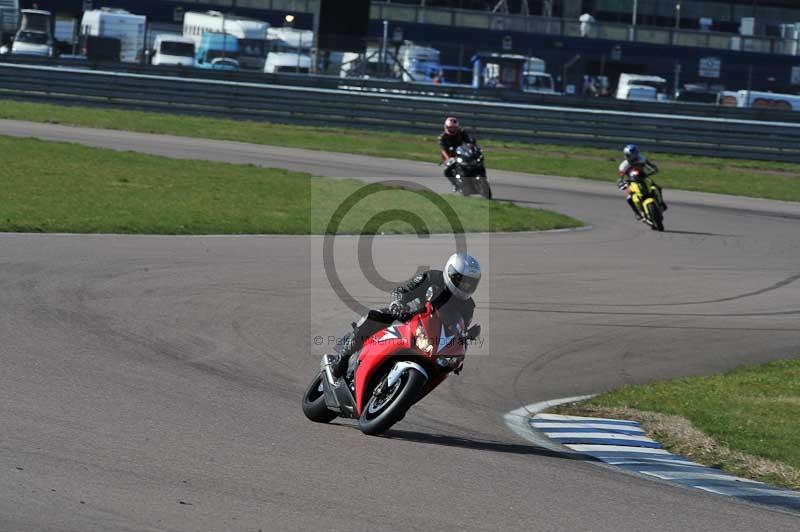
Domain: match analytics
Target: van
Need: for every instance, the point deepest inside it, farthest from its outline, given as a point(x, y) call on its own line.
point(217, 51)
point(173, 50)
point(35, 35)
point(289, 50)
point(640, 87)
point(251, 34)
point(535, 79)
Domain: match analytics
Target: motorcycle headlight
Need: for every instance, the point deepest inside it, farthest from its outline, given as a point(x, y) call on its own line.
point(421, 340)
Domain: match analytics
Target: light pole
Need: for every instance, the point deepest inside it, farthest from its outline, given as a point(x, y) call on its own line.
point(632, 32)
point(678, 16)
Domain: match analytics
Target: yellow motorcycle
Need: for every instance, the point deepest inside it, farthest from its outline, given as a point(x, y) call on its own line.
point(647, 198)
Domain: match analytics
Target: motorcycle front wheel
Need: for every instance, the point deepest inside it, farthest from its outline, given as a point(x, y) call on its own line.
point(387, 408)
point(314, 406)
point(484, 189)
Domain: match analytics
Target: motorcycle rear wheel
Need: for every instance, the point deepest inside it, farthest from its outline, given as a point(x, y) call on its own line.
point(656, 217)
point(314, 406)
point(380, 413)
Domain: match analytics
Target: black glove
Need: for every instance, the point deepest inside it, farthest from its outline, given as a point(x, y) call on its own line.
point(398, 309)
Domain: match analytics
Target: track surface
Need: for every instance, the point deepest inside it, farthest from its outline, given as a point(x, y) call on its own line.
point(153, 383)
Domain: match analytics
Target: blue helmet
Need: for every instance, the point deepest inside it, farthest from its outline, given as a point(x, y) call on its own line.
point(631, 152)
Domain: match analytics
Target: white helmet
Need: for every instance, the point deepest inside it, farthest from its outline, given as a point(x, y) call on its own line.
point(462, 273)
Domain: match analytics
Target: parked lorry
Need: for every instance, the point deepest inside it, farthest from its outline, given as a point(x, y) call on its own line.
point(217, 51)
point(289, 50)
point(640, 87)
point(117, 24)
point(419, 63)
point(35, 35)
point(251, 34)
point(535, 78)
point(173, 50)
point(760, 100)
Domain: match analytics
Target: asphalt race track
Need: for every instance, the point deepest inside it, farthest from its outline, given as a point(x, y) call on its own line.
point(154, 383)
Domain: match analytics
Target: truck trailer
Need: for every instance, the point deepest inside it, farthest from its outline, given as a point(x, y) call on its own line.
point(118, 24)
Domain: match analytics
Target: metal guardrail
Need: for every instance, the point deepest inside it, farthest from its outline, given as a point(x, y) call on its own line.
point(423, 89)
point(396, 111)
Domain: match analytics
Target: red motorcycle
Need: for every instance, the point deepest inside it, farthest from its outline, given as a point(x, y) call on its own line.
point(397, 367)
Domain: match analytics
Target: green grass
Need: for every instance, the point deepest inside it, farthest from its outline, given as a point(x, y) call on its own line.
point(62, 187)
point(754, 409)
point(728, 176)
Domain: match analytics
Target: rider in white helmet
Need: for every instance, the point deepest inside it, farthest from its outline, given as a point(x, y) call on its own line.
point(450, 289)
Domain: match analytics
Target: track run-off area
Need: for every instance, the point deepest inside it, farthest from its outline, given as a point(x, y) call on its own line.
point(154, 382)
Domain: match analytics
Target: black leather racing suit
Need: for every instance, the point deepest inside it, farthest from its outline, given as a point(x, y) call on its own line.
point(428, 286)
point(448, 144)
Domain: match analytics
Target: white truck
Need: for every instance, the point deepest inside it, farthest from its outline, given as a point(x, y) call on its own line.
point(173, 50)
point(642, 88)
point(117, 24)
point(35, 35)
point(759, 100)
point(251, 33)
point(420, 64)
point(289, 50)
point(535, 78)
point(367, 65)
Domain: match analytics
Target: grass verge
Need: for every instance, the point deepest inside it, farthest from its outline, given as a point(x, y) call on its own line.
point(727, 176)
point(744, 421)
point(62, 187)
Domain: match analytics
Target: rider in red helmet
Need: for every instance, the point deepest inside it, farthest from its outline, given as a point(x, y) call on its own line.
point(451, 138)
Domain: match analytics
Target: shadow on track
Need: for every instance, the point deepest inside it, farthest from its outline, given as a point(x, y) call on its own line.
point(700, 234)
point(480, 445)
point(525, 202)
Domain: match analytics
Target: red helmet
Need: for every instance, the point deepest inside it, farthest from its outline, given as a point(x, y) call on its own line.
point(451, 125)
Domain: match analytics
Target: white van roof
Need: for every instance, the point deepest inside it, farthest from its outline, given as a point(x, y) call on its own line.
point(173, 37)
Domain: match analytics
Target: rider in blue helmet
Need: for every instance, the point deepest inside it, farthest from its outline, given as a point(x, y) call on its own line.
point(635, 160)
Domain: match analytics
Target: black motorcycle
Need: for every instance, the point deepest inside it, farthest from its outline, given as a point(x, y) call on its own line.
point(469, 171)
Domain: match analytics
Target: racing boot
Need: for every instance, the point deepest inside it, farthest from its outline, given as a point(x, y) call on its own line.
point(342, 357)
point(636, 212)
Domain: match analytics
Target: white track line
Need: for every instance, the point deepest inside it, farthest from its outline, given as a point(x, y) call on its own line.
point(602, 426)
point(598, 436)
point(611, 449)
point(558, 417)
point(688, 475)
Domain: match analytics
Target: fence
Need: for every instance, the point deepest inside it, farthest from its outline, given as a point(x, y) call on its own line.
point(345, 103)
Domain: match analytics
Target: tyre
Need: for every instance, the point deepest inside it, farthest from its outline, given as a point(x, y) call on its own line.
point(659, 220)
point(466, 186)
point(484, 189)
point(314, 406)
point(384, 410)
point(652, 213)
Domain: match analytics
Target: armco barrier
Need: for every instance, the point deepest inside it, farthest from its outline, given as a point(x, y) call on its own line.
point(354, 105)
point(419, 89)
